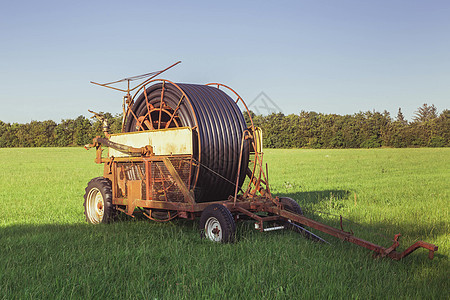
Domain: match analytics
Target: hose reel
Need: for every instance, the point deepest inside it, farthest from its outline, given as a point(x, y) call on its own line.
point(218, 128)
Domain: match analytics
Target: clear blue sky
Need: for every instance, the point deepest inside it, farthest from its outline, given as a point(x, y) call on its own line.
point(324, 56)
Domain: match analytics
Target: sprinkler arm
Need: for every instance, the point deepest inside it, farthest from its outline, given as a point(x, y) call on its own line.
point(98, 142)
point(104, 121)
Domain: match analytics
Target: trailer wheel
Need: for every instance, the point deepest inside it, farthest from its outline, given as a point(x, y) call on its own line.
point(217, 224)
point(98, 207)
point(291, 205)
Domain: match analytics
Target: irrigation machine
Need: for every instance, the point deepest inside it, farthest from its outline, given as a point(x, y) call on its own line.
point(186, 151)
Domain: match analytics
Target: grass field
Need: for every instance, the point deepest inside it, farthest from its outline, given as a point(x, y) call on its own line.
point(48, 251)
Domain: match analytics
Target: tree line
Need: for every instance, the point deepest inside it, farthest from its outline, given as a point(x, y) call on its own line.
point(69, 132)
point(369, 129)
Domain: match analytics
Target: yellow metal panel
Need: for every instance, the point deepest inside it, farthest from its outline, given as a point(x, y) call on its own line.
point(258, 139)
point(169, 141)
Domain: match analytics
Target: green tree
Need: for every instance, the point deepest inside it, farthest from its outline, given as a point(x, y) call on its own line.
point(42, 133)
point(440, 136)
point(425, 113)
point(400, 117)
point(64, 133)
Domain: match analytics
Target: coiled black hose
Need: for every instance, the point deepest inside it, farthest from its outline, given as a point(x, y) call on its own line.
point(217, 147)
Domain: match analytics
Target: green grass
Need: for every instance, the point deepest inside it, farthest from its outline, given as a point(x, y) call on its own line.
point(48, 251)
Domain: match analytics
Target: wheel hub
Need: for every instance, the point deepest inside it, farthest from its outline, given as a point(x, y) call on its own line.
point(213, 229)
point(95, 206)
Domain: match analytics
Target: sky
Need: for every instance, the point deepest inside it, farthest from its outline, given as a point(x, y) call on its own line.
point(325, 56)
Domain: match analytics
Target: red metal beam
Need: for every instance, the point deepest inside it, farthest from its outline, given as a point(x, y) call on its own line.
point(346, 236)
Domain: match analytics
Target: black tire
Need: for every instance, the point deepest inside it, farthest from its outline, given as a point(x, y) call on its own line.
point(291, 205)
point(217, 224)
point(98, 207)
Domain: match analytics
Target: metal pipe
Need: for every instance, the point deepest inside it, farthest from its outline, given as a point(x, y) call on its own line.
point(346, 236)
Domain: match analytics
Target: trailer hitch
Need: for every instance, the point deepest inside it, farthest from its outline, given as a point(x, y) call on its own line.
point(390, 252)
point(379, 251)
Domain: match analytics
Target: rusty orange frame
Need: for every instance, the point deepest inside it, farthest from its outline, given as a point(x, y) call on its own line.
point(250, 202)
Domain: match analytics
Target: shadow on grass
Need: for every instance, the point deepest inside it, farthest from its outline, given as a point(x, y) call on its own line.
point(315, 197)
point(139, 230)
point(140, 227)
point(381, 233)
point(92, 259)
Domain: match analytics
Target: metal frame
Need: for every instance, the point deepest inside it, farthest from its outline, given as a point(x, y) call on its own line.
point(257, 198)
